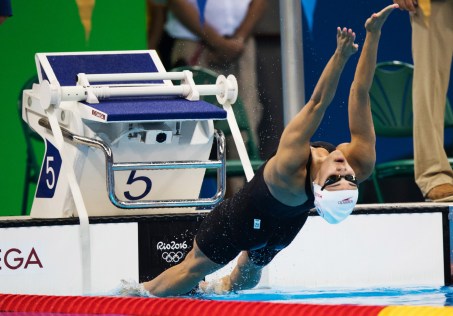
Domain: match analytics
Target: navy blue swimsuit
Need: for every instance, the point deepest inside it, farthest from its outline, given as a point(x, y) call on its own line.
point(255, 221)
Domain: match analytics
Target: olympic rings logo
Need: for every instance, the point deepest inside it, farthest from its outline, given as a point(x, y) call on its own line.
point(172, 256)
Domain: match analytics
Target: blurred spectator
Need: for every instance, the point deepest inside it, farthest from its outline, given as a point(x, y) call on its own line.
point(158, 38)
point(432, 51)
point(5, 10)
point(223, 43)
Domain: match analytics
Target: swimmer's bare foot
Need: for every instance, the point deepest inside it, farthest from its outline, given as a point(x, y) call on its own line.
point(131, 288)
point(220, 286)
point(375, 22)
point(345, 42)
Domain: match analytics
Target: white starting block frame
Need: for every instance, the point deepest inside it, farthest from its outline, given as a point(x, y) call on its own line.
point(122, 139)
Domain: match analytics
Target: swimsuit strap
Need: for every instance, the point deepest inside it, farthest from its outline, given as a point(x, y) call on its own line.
point(308, 190)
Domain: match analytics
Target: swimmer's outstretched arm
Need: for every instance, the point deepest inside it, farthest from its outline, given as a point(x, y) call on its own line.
point(294, 149)
point(361, 152)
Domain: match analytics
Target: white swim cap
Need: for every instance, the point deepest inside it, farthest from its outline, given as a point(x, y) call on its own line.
point(334, 206)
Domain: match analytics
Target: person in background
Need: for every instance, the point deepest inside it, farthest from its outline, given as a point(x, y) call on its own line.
point(269, 211)
point(158, 38)
point(432, 52)
point(223, 42)
point(5, 10)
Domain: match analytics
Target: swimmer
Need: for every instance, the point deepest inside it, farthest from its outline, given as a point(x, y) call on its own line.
point(268, 212)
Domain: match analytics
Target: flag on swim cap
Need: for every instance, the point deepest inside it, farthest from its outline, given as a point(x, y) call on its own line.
point(334, 206)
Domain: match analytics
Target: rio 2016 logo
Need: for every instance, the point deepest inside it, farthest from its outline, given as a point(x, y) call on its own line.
point(172, 252)
point(173, 245)
point(14, 258)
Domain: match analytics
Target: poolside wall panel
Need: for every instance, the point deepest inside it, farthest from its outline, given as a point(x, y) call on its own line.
point(378, 246)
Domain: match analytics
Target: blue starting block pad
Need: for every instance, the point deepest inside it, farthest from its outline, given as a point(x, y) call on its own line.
point(154, 109)
point(64, 68)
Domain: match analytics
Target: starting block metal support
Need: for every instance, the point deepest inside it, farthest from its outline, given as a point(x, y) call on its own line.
point(111, 167)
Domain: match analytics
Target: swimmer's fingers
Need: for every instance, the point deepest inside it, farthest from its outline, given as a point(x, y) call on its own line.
point(409, 5)
point(345, 33)
point(384, 13)
point(345, 40)
point(375, 22)
point(351, 40)
point(342, 32)
point(351, 36)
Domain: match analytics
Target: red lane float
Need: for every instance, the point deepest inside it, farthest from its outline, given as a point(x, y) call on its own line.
point(171, 306)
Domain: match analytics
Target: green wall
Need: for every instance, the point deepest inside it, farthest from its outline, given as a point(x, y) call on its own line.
point(51, 26)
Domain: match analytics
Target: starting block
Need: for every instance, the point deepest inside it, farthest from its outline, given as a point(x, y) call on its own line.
point(123, 139)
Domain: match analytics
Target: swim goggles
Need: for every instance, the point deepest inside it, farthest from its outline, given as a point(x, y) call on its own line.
point(335, 178)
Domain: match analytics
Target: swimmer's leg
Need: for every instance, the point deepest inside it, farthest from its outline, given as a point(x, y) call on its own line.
point(183, 277)
point(245, 275)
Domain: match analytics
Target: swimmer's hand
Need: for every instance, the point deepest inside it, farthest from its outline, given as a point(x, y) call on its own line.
point(131, 288)
point(375, 22)
point(345, 42)
point(221, 286)
point(409, 5)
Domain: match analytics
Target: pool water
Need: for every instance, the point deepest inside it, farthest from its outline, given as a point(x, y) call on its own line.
point(414, 296)
point(378, 296)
